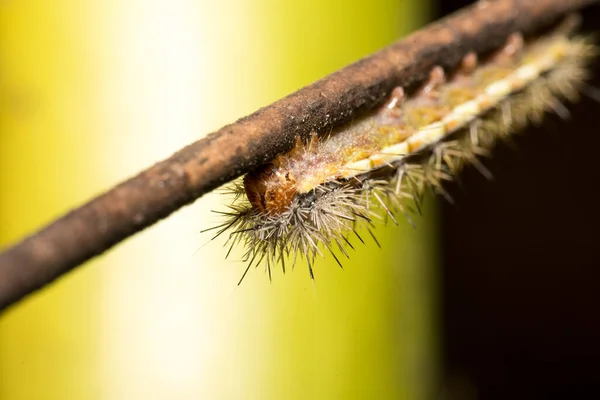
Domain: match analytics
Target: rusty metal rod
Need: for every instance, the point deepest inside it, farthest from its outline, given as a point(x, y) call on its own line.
point(237, 148)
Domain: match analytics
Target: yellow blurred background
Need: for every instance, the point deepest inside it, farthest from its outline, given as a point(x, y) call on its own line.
point(91, 93)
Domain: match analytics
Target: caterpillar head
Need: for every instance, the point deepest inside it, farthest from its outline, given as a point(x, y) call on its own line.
point(270, 190)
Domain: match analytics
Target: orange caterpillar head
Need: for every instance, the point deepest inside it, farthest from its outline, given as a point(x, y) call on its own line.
point(270, 190)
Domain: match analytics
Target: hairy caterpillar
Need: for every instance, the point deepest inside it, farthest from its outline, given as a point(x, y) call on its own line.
point(311, 199)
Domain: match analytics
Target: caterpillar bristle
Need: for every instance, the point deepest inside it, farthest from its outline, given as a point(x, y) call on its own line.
point(310, 201)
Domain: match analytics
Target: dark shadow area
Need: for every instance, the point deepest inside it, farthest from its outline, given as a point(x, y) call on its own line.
point(521, 265)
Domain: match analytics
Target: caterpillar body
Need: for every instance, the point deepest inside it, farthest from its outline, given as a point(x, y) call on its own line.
point(313, 198)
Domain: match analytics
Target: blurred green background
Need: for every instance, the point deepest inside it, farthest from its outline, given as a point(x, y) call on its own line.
point(93, 92)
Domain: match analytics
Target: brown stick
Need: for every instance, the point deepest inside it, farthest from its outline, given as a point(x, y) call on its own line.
point(237, 148)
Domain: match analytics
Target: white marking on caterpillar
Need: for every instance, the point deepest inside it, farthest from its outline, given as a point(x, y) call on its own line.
point(316, 195)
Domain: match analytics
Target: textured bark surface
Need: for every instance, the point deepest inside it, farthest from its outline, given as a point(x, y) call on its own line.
point(253, 140)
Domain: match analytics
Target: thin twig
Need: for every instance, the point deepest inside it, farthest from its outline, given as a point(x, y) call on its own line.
point(237, 148)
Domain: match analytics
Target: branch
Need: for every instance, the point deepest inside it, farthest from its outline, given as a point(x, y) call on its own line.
point(235, 149)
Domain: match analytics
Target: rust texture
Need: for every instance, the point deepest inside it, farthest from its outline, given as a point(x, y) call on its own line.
point(253, 140)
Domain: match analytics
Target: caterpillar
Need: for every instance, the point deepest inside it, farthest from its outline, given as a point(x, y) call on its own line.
point(310, 200)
